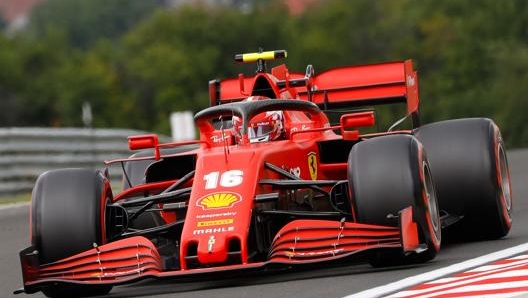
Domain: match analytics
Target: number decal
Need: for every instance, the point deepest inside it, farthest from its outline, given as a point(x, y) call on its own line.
point(230, 178)
point(211, 180)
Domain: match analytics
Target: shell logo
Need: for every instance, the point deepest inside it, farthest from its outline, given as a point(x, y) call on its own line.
point(218, 200)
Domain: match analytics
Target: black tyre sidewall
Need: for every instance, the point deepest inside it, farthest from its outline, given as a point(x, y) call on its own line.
point(385, 176)
point(376, 192)
point(464, 160)
point(67, 212)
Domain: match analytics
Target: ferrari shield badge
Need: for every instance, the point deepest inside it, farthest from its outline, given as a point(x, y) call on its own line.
point(312, 165)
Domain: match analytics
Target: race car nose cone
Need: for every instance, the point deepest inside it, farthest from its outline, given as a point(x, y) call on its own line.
point(213, 248)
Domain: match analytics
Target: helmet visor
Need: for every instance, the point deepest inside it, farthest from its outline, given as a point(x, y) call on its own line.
point(259, 130)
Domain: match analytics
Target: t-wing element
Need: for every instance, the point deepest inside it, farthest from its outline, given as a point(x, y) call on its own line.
point(261, 58)
point(268, 55)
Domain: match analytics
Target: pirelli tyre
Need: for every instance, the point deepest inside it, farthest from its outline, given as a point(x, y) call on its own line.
point(67, 217)
point(387, 174)
point(470, 171)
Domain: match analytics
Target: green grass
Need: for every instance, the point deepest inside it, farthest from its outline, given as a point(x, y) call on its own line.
point(16, 199)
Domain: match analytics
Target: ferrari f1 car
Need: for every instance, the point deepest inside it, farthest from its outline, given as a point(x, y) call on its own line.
point(290, 169)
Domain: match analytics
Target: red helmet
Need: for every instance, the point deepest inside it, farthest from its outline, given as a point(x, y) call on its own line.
point(267, 126)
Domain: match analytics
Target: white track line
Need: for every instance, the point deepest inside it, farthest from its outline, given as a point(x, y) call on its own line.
point(13, 205)
point(428, 276)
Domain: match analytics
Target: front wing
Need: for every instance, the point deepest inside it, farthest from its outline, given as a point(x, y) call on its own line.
point(300, 242)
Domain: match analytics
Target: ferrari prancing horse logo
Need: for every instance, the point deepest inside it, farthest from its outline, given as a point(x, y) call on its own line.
point(312, 165)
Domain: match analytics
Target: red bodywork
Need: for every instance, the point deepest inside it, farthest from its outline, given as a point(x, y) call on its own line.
point(234, 192)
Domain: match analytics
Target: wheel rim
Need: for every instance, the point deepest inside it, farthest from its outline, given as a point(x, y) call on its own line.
point(431, 201)
point(504, 179)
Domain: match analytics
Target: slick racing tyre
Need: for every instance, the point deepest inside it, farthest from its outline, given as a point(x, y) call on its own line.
point(67, 217)
point(470, 171)
point(387, 174)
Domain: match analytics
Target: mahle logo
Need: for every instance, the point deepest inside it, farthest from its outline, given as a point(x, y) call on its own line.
point(218, 200)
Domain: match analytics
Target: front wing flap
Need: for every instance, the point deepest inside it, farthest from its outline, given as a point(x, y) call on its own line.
point(299, 242)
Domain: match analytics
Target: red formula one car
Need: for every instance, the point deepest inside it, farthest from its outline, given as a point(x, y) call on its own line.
point(290, 169)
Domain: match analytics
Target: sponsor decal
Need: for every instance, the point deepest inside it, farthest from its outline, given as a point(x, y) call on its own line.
point(214, 215)
point(210, 243)
point(218, 200)
point(302, 128)
point(296, 172)
point(219, 139)
point(213, 230)
point(410, 81)
point(230, 178)
point(332, 252)
point(312, 165)
point(218, 222)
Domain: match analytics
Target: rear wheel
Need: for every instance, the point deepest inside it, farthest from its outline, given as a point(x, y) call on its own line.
point(470, 171)
point(68, 217)
point(386, 175)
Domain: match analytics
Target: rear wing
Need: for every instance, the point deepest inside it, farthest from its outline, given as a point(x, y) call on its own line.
point(365, 85)
point(347, 86)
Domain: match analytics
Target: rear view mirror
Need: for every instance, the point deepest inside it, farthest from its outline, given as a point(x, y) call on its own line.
point(350, 122)
point(146, 141)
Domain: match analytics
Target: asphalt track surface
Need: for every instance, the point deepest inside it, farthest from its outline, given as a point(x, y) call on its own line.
point(322, 282)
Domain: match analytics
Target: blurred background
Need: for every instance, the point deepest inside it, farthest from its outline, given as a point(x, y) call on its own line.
point(131, 63)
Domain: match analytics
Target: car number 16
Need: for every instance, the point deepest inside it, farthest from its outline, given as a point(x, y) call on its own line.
point(230, 178)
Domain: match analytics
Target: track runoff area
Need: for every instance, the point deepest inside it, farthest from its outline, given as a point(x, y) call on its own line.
point(497, 275)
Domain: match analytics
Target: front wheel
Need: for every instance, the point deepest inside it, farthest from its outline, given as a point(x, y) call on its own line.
point(68, 217)
point(387, 174)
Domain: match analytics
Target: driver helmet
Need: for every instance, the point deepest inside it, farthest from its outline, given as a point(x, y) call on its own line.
point(267, 126)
